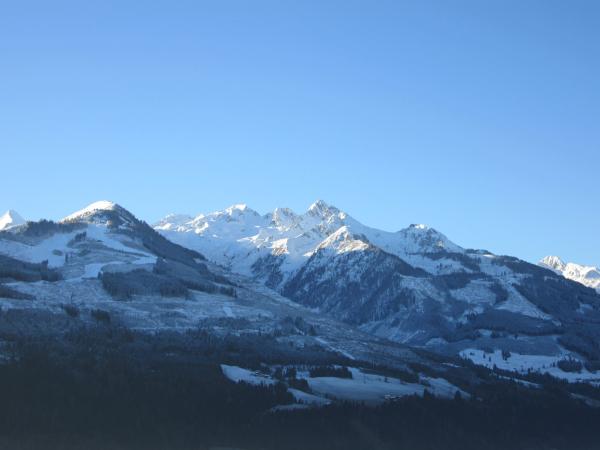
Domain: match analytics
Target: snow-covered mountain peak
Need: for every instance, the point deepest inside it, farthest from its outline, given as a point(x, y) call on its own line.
point(553, 262)
point(102, 205)
point(324, 219)
point(239, 211)
point(343, 240)
point(587, 275)
point(238, 208)
point(284, 218)
point(421, 238)
point(323, 210)
point(238, 237)
point(102, 212)
point(172, 221)
point(10, 219)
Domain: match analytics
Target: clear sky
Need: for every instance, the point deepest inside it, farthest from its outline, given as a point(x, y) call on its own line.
point(479, 118)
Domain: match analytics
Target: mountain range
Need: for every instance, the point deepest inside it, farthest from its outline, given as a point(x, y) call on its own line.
point(414, 286)
point(316, 286)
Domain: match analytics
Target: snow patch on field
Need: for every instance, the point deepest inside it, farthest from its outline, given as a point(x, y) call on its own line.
point(307, 398)
point(374, 388)
point(523, 363)
point(91, 271)
point(362, 387)
point(237, 374)
point(518, 304)
point(51, 249)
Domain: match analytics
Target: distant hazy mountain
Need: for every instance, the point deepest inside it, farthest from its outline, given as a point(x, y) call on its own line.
point(587, 275)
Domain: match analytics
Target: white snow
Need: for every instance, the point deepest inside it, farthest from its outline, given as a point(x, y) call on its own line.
point(51, 249)
point(54, 248)
point(92, 270)
point(10, 219)
point(442, 387)
point(553, 262)
point(173, 221)
point(309, 399)
point(476, 292)
point(524, 363)
point(238, 236)
point(102, 205)
point(518, 304)
point(374, 388)
point(116, 242)
point(363, 387)
point(587, 275)
point(342, 241)
point(237, 374)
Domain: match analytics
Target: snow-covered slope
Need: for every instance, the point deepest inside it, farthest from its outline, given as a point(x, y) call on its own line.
point(10, 219)
point(102, 205)
point(103, 213)
point(587, 275)
point(101, 228)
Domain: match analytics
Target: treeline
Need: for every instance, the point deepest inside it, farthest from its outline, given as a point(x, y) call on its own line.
point(167, 279)
point(41, 228)
point(124, 285)
point(12, 269)
point(95, 396)
point(330, 371)
point(17, 270)
point(8, 292)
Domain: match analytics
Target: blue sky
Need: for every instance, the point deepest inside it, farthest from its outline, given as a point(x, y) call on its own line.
point(481, 119)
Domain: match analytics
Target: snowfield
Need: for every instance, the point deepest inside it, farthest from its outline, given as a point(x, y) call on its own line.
point(523, 363)
point(10, 219)
point(374, 388)
point(54, 248)
point(237, 374)
point(363, 387)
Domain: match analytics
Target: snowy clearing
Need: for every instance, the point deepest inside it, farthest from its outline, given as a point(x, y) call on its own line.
point(237, 374)
point(524, 363)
